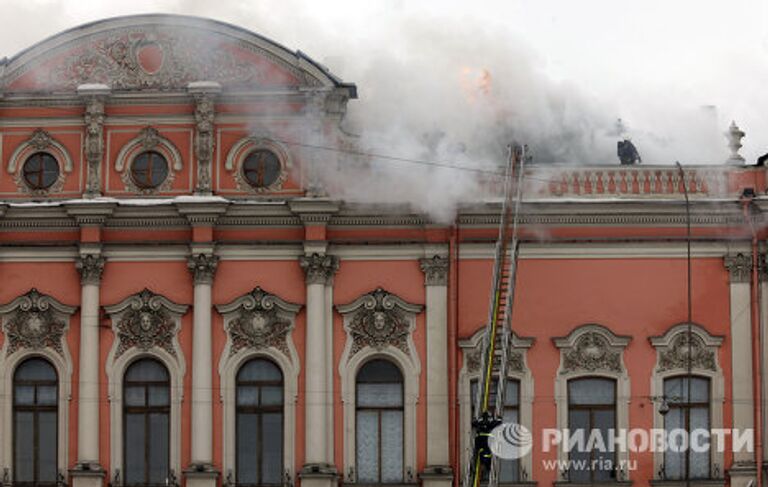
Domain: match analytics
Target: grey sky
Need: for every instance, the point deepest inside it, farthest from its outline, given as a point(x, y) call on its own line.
point(652, 62)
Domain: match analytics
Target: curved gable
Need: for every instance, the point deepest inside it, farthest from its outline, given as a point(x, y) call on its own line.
point(163, 53)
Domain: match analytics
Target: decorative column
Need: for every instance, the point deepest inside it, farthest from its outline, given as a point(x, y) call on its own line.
point(94, 97)
point(201, 472)
point(437, 472)
point(740, 271)
point(204, 93)
point(318, 470)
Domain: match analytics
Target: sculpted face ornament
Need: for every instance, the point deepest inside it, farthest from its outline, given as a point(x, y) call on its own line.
point(146, 325)
point(379, 324)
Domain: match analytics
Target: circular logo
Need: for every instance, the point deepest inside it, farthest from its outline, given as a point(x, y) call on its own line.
point(510, 441)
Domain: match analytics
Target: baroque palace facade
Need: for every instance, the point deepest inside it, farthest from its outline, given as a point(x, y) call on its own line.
point(180, 304)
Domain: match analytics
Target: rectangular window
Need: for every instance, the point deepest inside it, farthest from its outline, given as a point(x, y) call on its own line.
point(592, 412)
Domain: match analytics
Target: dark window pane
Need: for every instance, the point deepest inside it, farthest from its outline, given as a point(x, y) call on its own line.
point(147, 370)
point(271, 396)
point(676, 390)
point(259, 371)
point(511, 393)
point(24, 395)
point(158, 447)
point(159, 395)
point(46, 395)
point(391, 446)
point(47, 461)
point(24, 447)
point(261, 168)
point(247, 396)
point(35, 369)
point(379, 371)
point(379, 395)
point(134, 396)
point(149, 169)
point(272, 444)
point(592, 391)
point(40, 170)
point(135, 444)
point(247, 448)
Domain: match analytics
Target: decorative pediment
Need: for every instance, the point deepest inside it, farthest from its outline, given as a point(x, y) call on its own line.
point(35, 321)
point(259, 320)
point(161, 53)
point(592, 348)
point(40, 141)
point(144, 321)
point(472, 349)
point(379, 319)
point(677, 349)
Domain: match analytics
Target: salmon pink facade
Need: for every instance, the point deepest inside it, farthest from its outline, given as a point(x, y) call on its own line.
point(184, 301)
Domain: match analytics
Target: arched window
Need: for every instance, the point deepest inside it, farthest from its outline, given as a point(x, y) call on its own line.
point(35, 423)
point(146, 423)
point(259, 424)
point(379, 420)
point(591, 411)
point(687, 415)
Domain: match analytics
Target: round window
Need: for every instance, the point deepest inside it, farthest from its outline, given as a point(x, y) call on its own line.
point(40, 170)
point(149, 170)
point(261, 168)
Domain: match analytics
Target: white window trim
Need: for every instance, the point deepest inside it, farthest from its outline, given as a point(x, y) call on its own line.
point(61, 362)
point(229, 366)
point(40, 141)
point(409, 365)
point(712, 344)
point(615, 344)
point(115, 369)
point(244, 147)
point(148, 139)
point(525, 378)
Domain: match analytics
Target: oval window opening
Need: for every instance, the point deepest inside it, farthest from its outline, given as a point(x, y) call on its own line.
point(261, 168)
point(40, 170)
point(149, 170)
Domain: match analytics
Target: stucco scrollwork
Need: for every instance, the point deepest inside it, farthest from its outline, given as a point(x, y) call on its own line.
point(435, 270)
point(40, 141)
point(379, 319)
point(591, 348)
point(244, 147)
point(678, 349)
point(144, 321)
point(35, 321)
point(149, 139)
point(319, 268)
point(739, 267)
point(259, 320)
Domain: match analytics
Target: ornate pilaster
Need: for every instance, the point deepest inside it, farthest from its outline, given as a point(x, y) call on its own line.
point(94, 97)
point(319, 269)
point(201, 472)
point(438, 471)
point(318, 469)
point(204, 94)
point(90, 267)
point(203, 268)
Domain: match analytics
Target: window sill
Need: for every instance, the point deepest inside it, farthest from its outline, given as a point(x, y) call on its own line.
point(688, 483)
point(360, 484)
point(601, 483)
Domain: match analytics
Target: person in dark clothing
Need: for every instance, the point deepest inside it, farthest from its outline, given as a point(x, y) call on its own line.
point(627, 152)
point(483, 426)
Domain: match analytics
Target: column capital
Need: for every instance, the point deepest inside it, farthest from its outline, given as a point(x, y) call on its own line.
point(203, 267)
point(319, 268)
point(435, 270)
point(90, 267)
point(739, 267)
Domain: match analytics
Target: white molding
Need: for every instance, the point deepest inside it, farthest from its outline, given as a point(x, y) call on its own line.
point(466, 377)
point(605, 250)
point(64, 367)
point(716, 390)
point(116, 367)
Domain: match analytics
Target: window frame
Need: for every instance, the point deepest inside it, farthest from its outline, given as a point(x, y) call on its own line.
point(259, 410)
point(34, 408)
point(379, 410)
point(151, 153)
point(45, 156)
point(146, 411)
point(686, 407)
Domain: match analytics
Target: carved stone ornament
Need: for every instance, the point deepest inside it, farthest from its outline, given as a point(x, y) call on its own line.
point(435, 270)
point(682, 347)
point(94, 143)
point(166, 58)
point(90, 268)
point(319, 269)
point(592, 348)
point(472, 350)
point(204, 144)
point(35, 321)
point(379, 319)
point(146, 320)
point(203, 267)
point(259, 320)
point(39, 141)
point(149, 139)
point(739, 267)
